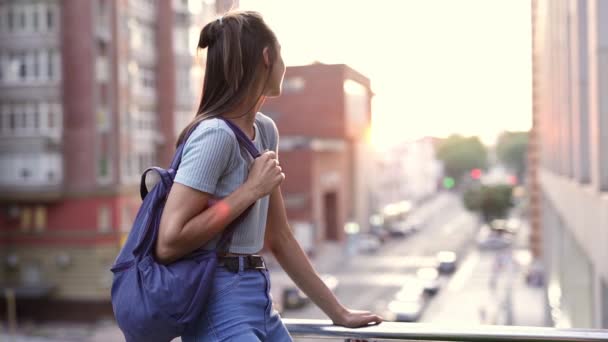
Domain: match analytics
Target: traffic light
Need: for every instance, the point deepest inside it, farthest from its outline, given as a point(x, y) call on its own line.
point(476, 174)
point(448, 182)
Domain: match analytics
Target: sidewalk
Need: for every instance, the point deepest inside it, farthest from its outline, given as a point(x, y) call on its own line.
point(489, 287)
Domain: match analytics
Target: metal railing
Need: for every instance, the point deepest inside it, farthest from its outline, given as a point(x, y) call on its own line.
point(391, 331)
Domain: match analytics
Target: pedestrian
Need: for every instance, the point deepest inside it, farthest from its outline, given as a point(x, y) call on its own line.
point(243, 67)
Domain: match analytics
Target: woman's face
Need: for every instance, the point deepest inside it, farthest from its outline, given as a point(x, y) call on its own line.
point(275, 80)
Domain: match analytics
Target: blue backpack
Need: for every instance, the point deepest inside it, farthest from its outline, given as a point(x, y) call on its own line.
point(155, 302)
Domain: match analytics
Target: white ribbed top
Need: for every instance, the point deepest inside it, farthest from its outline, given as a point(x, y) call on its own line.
point(214, 162)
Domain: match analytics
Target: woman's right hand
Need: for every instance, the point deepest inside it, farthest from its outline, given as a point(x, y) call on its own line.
point(265, 174)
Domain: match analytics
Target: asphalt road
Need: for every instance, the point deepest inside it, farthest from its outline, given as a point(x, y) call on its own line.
point(369, 282)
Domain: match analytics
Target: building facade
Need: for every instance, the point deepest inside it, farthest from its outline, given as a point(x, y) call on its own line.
point(569, 158)
point(408, 171)
point(323, 116)
point(91, 94)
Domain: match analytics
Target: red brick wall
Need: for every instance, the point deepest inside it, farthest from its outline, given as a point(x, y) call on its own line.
point(317, 109)
point(77, 52)
point(297, 166)
point(165, 87)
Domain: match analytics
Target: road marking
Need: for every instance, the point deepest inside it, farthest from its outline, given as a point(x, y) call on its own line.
point(464, 272)
point(457, 222)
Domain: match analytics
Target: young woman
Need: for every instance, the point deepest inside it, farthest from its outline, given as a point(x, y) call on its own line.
point(244, 66)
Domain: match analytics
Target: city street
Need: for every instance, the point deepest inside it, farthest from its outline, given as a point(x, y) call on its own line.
point(368, 282)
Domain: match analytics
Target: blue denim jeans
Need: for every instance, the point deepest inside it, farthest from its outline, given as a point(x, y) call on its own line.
point(239, 309)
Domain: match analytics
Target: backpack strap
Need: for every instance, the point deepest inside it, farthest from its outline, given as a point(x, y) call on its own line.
point(145, 242)
point(262, 130)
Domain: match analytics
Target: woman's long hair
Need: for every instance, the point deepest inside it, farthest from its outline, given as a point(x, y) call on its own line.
point(235, 45)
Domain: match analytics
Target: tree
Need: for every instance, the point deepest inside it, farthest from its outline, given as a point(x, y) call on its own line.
point(512, 151)
point(491, 201)
point(460, 155)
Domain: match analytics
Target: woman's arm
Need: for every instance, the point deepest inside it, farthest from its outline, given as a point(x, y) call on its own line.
point(186, 212)
point(293, 259)
point(187, 222)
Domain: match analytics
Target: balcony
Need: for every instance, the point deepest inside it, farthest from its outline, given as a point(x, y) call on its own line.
point(389, 331)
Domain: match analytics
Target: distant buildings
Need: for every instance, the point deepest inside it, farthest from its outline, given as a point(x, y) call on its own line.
point(91, 93)
point(569, 158)
point(323, 116)
point(407, 172)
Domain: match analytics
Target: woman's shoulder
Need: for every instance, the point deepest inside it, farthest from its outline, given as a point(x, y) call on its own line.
point(268, 129)
point(212, 130)
point(268, 126)
point(211, 127)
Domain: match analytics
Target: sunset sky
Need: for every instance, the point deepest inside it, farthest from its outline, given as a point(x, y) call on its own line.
point(437, 66)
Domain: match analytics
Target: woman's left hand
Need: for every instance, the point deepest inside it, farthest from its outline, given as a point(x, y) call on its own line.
point(357, 318)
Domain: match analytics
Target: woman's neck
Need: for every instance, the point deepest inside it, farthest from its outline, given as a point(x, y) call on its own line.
point(245, 122)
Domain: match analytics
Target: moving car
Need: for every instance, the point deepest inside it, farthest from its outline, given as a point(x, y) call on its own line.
point(409, 303)
point(429, 278)
point(446, 262)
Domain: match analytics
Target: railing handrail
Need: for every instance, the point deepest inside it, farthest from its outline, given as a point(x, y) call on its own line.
point(393, 331)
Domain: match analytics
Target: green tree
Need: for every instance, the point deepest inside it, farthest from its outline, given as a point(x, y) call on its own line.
point(490, 201)
point(461, 154)
point(512, 151)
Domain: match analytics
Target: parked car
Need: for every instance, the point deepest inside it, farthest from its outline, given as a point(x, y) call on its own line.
point(446, 262)
point(380, 232)
point(368, 243)
point(429, 278)
point(402, 228)
point(294, 298)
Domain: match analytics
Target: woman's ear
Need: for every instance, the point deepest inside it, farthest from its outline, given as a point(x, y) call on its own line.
point(267, 57)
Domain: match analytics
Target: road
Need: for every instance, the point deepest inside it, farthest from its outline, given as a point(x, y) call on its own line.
point(368, 282)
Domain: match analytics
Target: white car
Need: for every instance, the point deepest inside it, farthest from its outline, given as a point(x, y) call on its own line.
point(400, 311)
point(409, 302)
point(429, 278)
point(446, 262)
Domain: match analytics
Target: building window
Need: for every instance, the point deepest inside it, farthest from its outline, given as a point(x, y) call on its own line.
point(22, 66)
point(103, 167)
point(40, 219)
point(22, 18)
point(8, 16)
point(26, 219)
point(104, 219)
point(294, 84)
point(102, 69)
point(35, 18)
point(30, 65)
point(35, 66)
point(49, 18)
point(49, 67)
point(180, 40)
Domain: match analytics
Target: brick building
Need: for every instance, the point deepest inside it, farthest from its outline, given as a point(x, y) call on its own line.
point(323, 117)
point(91, 94)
